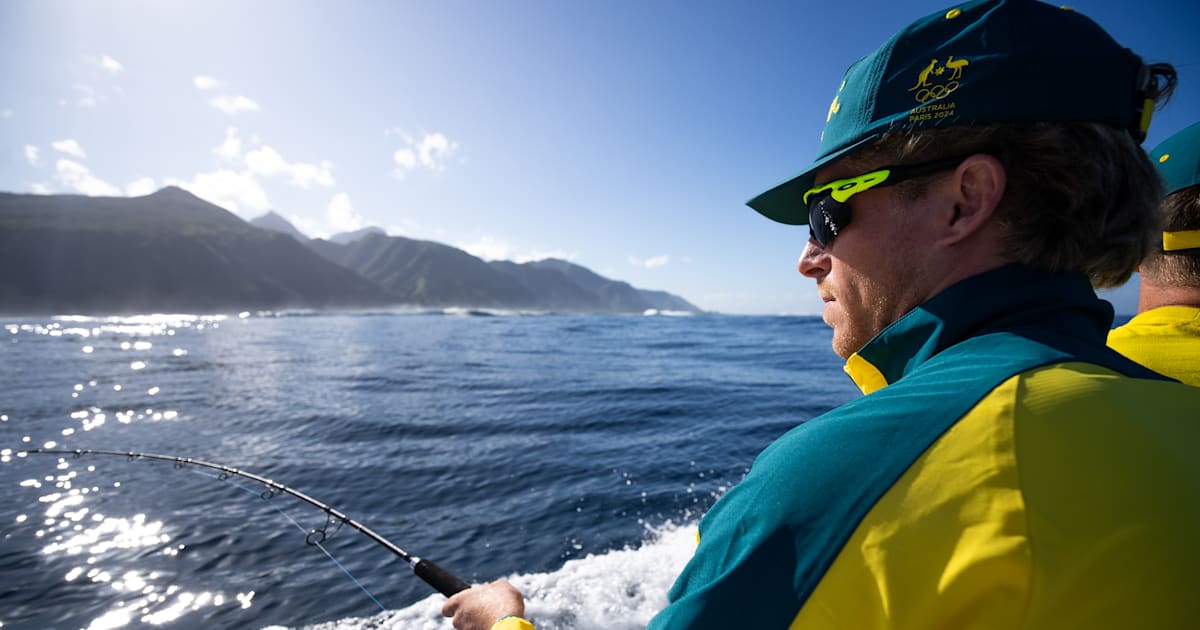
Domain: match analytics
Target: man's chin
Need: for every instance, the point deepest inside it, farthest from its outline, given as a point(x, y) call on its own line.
point(841, 345)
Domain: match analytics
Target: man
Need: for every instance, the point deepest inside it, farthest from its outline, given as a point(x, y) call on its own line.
point(1165, 335)
point(1005, 469)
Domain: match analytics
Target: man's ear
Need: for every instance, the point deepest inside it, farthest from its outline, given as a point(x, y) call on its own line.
point(976, 189)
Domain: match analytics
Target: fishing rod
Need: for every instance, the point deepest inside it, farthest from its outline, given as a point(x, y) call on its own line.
point(445, 582)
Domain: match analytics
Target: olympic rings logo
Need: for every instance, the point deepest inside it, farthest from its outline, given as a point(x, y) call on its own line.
point(936, 92)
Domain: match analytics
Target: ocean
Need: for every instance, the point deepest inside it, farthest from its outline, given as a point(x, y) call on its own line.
point(571, 454)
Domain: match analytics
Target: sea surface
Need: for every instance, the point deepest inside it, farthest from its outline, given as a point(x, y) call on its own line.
point(572, 454)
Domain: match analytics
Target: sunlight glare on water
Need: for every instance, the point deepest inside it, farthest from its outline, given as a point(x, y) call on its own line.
point(69, 527)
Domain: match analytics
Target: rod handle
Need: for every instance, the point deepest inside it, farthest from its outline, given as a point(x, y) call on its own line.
point(444, 581)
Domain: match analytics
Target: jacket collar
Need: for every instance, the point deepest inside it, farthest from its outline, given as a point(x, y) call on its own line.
point(1014, 298)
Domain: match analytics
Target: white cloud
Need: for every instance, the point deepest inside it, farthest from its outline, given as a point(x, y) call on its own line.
point(487, 248)
point(70, 147)
point(305, 175)
point(405, 159)
point(234, 104)
point(229, 189)
point(309, 227)
point(434, 149)
point(79, 178)
point(112, 66)
point(267, 162)
point(205, 82)
point(649, 263)
point(341, 216)
point(31, 154)
point(431, 151)
point(231, 149)
point(140, 187)
point(544, 254)
point(39, 189)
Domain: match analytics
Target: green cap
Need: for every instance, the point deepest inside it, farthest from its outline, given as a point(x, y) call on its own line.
point(981, 62)
point(1178, 159)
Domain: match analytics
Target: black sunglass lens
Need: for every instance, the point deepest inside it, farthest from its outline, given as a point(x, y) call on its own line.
point(827, 217)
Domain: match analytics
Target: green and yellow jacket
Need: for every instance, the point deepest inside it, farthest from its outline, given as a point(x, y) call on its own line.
point(1004, 470)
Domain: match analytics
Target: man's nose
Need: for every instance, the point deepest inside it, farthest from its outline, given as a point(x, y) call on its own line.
point(814, 260)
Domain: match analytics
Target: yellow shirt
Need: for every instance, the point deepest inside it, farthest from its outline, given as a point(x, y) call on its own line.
point(1165, 339)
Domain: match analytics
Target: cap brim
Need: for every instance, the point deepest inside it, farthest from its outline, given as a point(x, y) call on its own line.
point(1177, 159)
point(785, 203)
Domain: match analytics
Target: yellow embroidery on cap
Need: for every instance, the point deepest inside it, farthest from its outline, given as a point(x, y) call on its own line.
point(1164, 158)
point(953, 13)
point(957, 66)
point(836, 105)
point(934, 83)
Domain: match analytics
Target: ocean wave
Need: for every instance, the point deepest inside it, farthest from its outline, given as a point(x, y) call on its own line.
point(667, 313)
point(616, 590)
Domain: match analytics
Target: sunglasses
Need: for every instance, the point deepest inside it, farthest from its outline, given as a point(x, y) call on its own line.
point(828, 210)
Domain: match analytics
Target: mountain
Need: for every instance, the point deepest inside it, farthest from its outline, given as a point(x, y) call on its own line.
point(553, 289)
point(426, 273)
point(349, 237)
point(276, 223)
point(174, 252)
point(663, 301)
point(433, 274)
point(168, 251)
point(566, 286)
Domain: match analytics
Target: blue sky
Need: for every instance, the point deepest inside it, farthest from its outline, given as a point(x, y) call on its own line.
point(622, 135)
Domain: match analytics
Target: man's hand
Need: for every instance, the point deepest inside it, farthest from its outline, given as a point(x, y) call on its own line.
point(479, 607)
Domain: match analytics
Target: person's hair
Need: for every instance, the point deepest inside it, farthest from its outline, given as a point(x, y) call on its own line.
point(1080, 197)
point(1181, 212)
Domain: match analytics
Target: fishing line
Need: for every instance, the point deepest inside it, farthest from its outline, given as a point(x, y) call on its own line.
point(445, 582)
point(307, 533)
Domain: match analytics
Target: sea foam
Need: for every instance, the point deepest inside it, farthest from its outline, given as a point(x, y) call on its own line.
point(616, 590)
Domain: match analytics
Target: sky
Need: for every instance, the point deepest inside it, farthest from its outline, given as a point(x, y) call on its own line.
point(622, 135)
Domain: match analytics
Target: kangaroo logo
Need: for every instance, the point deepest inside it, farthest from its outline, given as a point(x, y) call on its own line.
point(923, 78)
point(941, 87)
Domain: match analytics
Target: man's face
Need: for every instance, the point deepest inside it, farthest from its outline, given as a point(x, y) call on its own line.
point(872, 273)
